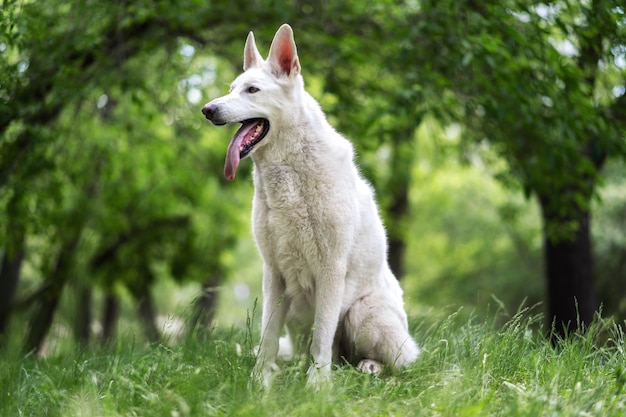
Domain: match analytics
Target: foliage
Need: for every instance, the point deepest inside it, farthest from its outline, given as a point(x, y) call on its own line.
point(468, 368)
point(111, 180)
point(610, 238)
point(539, 82)
point(542, 85)
point(469, 238)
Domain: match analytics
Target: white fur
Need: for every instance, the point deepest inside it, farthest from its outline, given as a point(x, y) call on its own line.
point(317, 227)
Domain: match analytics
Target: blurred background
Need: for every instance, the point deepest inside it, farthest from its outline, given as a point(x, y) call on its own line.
point(493, 132)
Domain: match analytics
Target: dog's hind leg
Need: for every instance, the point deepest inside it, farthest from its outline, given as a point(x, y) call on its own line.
point(375, 329)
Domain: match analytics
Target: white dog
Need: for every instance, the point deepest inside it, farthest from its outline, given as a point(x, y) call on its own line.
point(316, 224)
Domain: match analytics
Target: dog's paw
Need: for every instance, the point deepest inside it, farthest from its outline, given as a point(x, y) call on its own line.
point(370, 366)
point(264, 373)
point(318, 377)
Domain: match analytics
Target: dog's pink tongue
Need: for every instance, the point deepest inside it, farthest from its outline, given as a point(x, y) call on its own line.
point(234, 150)
point(232, 158)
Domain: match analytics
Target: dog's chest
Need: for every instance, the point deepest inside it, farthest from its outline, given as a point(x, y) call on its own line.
point(286, 224)
point(281, 189)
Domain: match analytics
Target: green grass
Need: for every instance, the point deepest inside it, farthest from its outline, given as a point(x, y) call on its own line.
point(468, 368)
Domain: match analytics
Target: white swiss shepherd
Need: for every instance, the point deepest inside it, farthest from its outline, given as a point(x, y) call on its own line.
point(316, 224)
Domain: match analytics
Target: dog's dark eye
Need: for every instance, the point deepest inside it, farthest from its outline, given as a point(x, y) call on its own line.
point(252, 90)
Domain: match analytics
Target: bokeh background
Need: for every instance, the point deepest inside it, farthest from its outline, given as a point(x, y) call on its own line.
point(493, 132)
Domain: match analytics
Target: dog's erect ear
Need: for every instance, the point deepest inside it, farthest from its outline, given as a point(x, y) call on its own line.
point(251, 56)
point(283, 56)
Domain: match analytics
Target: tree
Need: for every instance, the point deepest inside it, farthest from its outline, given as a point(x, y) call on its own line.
point(98, 152)
point(113, 182)
point(84, 167)
point(532, 80)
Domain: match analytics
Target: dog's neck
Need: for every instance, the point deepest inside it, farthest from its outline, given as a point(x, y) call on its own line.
point(290, 140)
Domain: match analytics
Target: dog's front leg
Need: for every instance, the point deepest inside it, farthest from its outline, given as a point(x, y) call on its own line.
point(275, 308)
point(329, 293)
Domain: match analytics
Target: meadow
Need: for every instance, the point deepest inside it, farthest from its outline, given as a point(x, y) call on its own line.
point(469, 367)
point(487, 131)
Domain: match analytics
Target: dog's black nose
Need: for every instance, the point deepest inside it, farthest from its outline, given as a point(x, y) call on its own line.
point(209, 110)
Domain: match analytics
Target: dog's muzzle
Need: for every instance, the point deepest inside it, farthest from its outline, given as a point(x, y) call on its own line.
point(211, 111)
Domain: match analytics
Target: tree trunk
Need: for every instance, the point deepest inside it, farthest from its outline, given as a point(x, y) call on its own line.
point(11, 265)
point(147, 314)
point(397, 250)
point(204, 306)
point(572, 300)
point(42, 317)
point(109, 318)
point(398, 187)
point(82, 325)
point(9, 277)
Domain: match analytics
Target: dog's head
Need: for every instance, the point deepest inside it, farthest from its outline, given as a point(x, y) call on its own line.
point(257, 97)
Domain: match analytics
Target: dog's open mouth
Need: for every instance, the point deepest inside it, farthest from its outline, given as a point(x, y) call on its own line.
point(251, 132)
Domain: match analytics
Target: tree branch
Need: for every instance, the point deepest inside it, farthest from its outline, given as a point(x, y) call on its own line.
point(110, 252)
point(591, 38)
